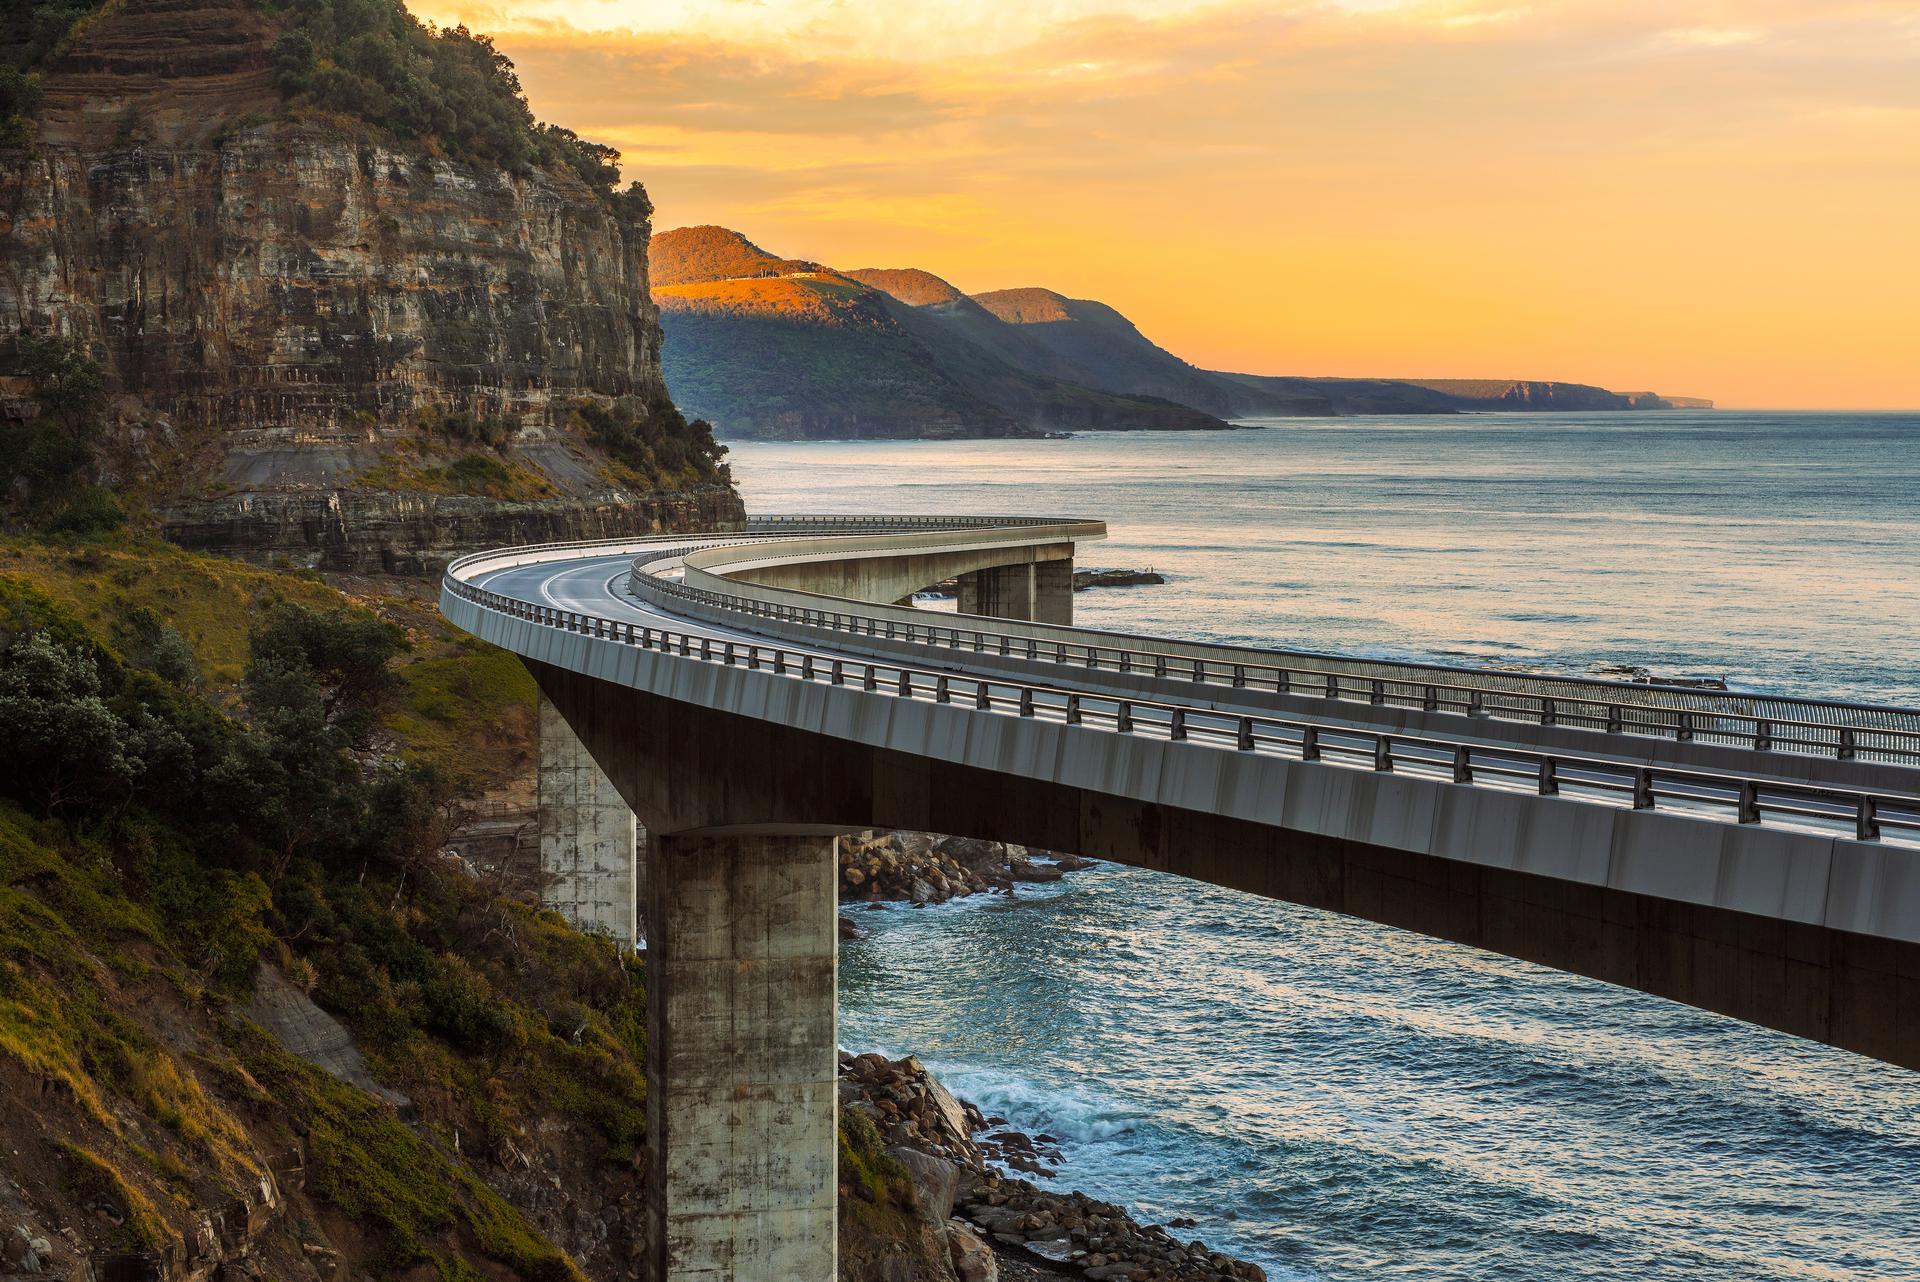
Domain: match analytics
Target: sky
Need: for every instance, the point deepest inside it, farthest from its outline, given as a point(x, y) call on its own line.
point(1701, 197)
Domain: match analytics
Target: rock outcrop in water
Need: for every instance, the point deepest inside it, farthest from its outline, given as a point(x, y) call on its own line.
point(308, 323)
point(955, 1155)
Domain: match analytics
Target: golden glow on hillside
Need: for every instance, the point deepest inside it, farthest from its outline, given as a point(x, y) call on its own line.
point(1706, 197)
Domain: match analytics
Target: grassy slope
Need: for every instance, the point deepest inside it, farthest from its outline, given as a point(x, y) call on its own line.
point(464, 705)
point(128, 1071)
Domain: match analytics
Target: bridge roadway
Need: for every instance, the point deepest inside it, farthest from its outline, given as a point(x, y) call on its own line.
point(751, 694)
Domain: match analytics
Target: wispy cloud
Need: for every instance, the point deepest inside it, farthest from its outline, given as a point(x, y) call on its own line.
point(1696, 195)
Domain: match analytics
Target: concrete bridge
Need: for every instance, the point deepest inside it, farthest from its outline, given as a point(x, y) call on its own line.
point(749, 695)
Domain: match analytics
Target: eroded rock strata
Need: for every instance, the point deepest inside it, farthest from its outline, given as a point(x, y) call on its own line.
point(291, 306)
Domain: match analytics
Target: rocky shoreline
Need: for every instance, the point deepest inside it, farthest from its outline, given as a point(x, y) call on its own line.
point(993, 1224)
point(890, 865)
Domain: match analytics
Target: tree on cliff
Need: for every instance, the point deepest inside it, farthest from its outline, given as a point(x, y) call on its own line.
point(47, 462)
point(449, 86)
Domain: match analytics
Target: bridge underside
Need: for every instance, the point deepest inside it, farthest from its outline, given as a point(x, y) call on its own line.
point(684, 767)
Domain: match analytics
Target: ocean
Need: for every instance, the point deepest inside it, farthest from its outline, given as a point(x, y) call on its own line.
point(1339, 1100)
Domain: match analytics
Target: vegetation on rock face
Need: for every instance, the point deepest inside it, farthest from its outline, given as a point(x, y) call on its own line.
point(373, 60)
point(29, 31)
point(47, 461)
point(883, 1233)
point(651, 443)
point(166, 827)
point(370, 59)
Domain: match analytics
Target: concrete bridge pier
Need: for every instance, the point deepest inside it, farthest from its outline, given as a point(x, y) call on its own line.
point(1031, 592)
point(590, 841)
point(741, 1108)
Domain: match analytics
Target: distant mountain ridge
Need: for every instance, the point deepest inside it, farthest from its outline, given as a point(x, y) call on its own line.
point(1102, 348)
point(782, 348)
point(1462, 395)
point(778, 347)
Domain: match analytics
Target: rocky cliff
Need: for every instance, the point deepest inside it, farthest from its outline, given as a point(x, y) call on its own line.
point(308, 320)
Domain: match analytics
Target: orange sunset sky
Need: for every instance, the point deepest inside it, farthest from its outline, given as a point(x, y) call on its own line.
point(1714, 199)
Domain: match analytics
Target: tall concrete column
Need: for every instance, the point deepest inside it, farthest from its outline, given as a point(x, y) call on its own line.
point(589, 839)
point(998, 592)
point(1053, 591)
point(741, 1101)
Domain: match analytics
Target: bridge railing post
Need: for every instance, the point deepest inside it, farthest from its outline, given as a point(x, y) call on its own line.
point(1866, 819)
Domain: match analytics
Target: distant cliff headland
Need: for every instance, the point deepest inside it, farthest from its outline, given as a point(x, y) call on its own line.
point(347, 301)
point(779, 348)
point(770, 347)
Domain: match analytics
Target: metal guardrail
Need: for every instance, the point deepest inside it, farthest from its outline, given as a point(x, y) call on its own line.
point(1823, 728)
point(1744, 800)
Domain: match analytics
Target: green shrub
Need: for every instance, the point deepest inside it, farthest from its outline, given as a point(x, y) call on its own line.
point(478, 474)
point(373, 60)
point(653, 439)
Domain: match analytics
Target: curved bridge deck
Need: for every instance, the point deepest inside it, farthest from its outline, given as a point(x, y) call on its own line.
point(1752, 855)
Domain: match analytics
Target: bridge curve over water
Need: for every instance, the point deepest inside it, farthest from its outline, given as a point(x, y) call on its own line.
point(750, 694)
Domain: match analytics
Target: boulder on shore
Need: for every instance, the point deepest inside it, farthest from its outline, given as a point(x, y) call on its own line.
point(920, 868)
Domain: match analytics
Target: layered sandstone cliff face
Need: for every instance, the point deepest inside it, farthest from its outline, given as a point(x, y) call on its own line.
point(288, 304)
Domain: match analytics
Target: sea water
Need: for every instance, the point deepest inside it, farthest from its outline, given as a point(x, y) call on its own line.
point(1339, 1100)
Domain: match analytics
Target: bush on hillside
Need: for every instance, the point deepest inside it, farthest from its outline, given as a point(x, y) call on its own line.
point(373, 60)
point(47, 463)
point(654, 440)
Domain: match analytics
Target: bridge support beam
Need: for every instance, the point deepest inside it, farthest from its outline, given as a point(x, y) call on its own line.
point(741, 1097)
point(998, 592)
point(1053, 592)
point(1032, 592)
point(589, 839)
